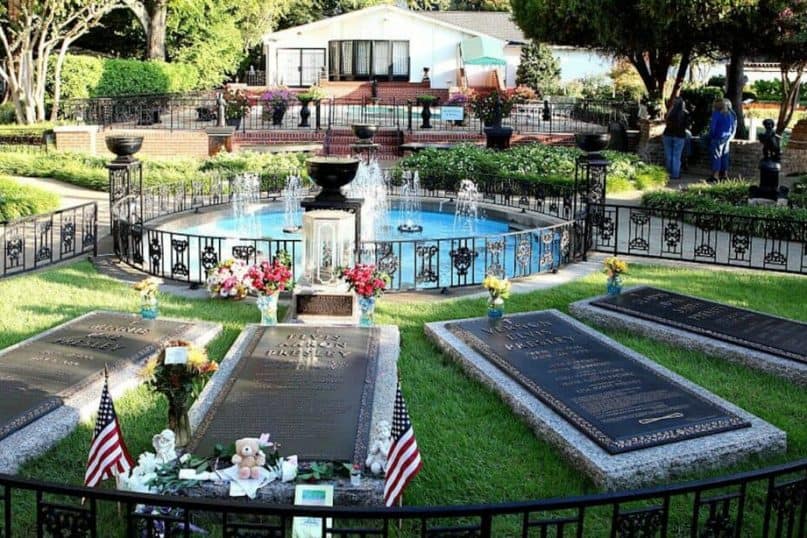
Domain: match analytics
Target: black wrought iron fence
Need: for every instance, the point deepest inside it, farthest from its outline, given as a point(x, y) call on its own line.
point(41, 240)
point(714, 238)
point(769, 502)
point(198, 111)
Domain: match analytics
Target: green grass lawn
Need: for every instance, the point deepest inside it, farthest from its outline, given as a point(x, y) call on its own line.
point(475, 450)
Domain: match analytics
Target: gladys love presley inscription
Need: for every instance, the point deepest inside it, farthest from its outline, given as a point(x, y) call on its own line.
point(617, 401)
point(783, 337)
point(311, 388)
point(36, 376)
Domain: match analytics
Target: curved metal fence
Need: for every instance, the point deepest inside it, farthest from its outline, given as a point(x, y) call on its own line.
point(769, 502)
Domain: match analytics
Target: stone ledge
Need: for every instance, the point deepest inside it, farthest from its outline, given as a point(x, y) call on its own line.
point(620, 471)
point(789, 369)
point(38, 437)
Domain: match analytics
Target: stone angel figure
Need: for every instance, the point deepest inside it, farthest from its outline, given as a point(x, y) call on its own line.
point(379, 448)
point(164, 444)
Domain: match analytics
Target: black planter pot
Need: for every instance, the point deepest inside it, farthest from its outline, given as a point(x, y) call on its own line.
point(234, 122)
point(305, 113)
point(426, 115)
point(277, 115)
point(124, 147)
point(364, 131)
point(498, 138)
point(332, 173)
point(592, 142)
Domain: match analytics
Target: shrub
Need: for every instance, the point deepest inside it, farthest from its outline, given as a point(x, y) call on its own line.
point(771, 90)
point(718, 81)
point(700, 100)
point(273, 168)
point(133, 77)
point(7, 114)
point(80, 76)
point(18, 200)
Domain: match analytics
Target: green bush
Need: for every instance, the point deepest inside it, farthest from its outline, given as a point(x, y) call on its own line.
point(700, 101)
point(80, 76)
point(133, 77)
point(535, 162)
point(771, 90)
point(90, 171)
point(18, 200)
point(7, 114)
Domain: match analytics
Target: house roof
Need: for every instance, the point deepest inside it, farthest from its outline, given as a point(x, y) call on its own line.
point(421, 15)
point(498, 24)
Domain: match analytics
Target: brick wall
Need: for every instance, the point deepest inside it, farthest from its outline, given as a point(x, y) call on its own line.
point(156, 143)
point(387, 91)
point(794, 157)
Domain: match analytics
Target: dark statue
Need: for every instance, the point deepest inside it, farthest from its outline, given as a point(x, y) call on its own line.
point(497, 112)
point(771, 147)
point(220, 105)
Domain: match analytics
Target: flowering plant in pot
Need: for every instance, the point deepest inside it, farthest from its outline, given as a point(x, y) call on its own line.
point(179, 373)
point(276, 101)
point(236, 107)
point(313, 94)
point(427, 101)
point(267, 279)
point(492, 107)
point(226, 280)
point(369, 283)
point(614, 269)
point(499, 290)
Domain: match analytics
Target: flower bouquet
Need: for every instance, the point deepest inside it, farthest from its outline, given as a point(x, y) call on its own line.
point(179, 372)
point(499, 290)
point(149, 289)
point(368, 283)
point(615, 268)
point(267, 279)
point(226, 280)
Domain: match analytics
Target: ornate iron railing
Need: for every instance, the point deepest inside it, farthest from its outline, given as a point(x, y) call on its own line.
point(769, 502)
point(703, 237)
point(199, 111)
point(40, 240)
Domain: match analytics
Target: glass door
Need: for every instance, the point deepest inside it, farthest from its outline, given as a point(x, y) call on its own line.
point(299, 67)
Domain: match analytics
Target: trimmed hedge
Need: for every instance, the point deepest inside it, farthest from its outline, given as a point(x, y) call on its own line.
point(90, 171)
point(90, 76)
point(535, 162)
point(18, 200)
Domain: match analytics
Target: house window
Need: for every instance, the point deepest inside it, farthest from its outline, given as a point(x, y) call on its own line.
point(357, 59)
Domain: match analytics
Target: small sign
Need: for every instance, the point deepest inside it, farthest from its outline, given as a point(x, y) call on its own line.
point(311, 495)
point(453, 113)
point(176, 355)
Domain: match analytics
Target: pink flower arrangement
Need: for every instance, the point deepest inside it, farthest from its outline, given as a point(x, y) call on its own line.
point(366, 280)
point(226, 280)
point(267, 278)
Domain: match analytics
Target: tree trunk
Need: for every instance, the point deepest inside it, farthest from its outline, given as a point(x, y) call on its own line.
point(734, 89)
point(155, 31)
point(790, 95)
point(680, 76)
point(57, 81)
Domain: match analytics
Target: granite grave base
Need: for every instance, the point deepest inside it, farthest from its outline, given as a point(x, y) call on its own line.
point(613, 471)
point(370, 492)
point(784, 367)
point(80, 401)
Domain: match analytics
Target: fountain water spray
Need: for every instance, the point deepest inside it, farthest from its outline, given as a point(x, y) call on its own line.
point(466, 211)
point(292, 194)
point(410, 203)
point(371, 186)
point(245, 189)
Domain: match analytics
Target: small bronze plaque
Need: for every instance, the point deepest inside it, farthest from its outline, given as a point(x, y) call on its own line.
point(36, 376)
point(322, 304)
point(311, 388)
point(620, 403)
point(783, 337)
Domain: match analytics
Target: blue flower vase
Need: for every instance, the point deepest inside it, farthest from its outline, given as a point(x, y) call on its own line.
point(149, 307)
point(267, 305)
point(366, 311)
point(614, 285)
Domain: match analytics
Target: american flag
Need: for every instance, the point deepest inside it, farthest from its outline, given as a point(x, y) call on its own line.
point(108, 453)
point(403, 460)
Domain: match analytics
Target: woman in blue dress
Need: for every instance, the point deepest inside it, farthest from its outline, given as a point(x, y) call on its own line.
point(721, 130)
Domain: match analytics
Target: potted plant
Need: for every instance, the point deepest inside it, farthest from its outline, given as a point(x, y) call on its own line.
point(427, 101)
point(267, 279)
point(313, 94)
point(499, 290)
point(276, 102)
point(179, 372)
point(491, 108)
point(459, 100)
point(368, 283)
point(615, 268)
point(236, 106)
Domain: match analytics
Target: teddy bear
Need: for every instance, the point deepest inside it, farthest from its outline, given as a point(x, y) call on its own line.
point(248, 457)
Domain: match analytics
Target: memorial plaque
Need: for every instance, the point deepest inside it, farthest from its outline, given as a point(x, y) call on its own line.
point(36, 376)
point(617, 401)
point(311, 388)
point(323, 304)
point(782, 337)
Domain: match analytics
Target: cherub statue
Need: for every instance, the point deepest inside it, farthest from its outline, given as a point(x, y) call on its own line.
point(771, 148)
point(164, 444)
point(379, 448)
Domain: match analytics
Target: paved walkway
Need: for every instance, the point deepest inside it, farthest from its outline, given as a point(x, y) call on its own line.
point(72, 195)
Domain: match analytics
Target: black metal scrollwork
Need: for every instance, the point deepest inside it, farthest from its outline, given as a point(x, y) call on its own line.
point(463, 258)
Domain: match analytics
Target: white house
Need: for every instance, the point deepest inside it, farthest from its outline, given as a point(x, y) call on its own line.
point(384, 43)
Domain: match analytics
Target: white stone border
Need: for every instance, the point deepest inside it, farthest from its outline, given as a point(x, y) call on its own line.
point(619, 471)
point(790, 369)
point(39, 436)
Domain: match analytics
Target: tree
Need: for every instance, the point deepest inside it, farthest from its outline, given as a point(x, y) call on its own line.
point(789, 45)
point(538, 69)
point(152, 16)
point(29, 35)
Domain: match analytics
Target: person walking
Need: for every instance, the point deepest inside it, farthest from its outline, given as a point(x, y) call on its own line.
point(674, 138)
point(721, 130)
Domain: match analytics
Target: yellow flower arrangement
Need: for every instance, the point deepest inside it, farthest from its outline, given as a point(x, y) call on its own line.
point(497, 287)
point(615, 267)
point(148, 287)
